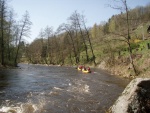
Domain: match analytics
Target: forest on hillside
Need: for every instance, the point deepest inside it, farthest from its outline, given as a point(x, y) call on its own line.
point(120, 41)
point(114, 42)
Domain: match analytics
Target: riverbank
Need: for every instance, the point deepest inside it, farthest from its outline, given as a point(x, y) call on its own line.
point(122, 67)
point(124, 71)
point(5, 67)
point(8, 67)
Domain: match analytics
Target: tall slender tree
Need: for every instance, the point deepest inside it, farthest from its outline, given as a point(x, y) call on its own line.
point(24, 29)
point(11, 21)
point(3, 12)
point(48, 35)
point(127, 35)
point(88, 36)
point(78, 18)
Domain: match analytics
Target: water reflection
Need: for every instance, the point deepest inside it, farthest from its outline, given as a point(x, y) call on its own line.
point(4, 80)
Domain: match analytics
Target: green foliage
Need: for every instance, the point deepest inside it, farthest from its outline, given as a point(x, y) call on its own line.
point(44, 50)
point(94, 31)
point(134, 46)
point(112, 25)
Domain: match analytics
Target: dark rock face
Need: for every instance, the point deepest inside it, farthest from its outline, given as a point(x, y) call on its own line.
point(141, 101)
point(135, 98)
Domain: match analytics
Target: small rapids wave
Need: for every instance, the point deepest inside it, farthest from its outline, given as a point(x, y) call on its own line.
point(23, 108)
point(78, 86)
point(38, 103)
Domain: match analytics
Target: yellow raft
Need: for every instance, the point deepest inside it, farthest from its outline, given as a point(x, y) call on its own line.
point(86, 71)
point(79, 69)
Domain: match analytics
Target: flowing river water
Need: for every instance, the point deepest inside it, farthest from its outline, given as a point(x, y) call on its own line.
point(53, 89)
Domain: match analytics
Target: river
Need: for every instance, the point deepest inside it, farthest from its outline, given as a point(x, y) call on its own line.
point(54, 89)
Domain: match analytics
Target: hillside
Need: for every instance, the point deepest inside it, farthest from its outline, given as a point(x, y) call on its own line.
point(120, 45)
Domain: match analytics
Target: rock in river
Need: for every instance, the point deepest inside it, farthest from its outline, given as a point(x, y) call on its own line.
point(135, 98)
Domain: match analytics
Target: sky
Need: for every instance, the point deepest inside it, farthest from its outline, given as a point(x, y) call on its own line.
point(53, 13)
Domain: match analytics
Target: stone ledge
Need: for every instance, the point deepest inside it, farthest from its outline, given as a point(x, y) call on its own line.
point(135, 98)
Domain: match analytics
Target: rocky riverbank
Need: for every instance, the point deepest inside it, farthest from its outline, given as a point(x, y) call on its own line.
point(135, 98)
point(120, 70)
point(126, 71)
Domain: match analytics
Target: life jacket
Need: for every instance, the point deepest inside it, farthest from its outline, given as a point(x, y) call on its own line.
point(88, 69)
point(80, 67)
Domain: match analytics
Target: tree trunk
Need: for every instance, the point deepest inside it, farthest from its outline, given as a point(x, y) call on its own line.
point(2, 32)
point(25, 27)
point(74, 50)
point(128, 39)
point(87, 32)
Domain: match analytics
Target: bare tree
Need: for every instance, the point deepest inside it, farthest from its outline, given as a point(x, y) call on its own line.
point(24, 29)
point(76, 18)
point(88, 36)
point(127, 35)
point(48, 35)
point(67, 28)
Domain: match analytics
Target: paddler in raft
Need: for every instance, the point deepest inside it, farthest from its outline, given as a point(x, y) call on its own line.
point(86, 70)
point(80, 68)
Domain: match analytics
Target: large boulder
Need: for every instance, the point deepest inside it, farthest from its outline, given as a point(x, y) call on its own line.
point(135, 98)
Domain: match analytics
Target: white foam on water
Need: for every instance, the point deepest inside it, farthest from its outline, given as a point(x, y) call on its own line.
point(28, 107)
point(86, 88)
point(95, 72)
point(56, 91)
point(80, 88)
point(57, 88)
point(70, 84)
point(10, 109)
